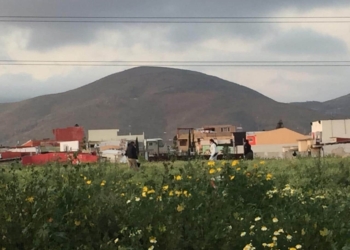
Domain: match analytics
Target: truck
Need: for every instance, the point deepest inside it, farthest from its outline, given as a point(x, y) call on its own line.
point(154, 147)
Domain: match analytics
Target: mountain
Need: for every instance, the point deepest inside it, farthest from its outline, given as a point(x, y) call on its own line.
point(153, 100)
point(336, 108)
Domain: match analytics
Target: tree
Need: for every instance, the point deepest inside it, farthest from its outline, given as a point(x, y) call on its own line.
point(279, 124)
point(175, 142)
point(137, 146)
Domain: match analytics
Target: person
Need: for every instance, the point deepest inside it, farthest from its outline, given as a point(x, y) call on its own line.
point(131, 153)
point(213, 150)
point(248, 152)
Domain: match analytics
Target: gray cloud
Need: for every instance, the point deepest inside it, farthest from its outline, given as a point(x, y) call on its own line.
point(306, 42)
point(49, 36)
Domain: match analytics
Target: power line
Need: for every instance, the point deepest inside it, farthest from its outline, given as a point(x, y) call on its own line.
point(178, 17)
point(178, 65)
point(171, 61)
point(165, 22)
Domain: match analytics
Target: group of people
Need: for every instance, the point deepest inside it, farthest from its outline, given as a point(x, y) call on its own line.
point(248, 152)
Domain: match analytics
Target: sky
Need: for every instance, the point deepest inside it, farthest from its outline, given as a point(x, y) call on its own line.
point(182, 42)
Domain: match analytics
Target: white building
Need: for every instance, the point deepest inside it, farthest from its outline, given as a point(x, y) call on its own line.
point(69, 146)
point(330, 131)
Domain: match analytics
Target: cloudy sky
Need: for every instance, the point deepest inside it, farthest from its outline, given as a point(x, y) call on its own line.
point(183, 42)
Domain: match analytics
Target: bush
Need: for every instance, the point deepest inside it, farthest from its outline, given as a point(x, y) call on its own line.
point(194, 205)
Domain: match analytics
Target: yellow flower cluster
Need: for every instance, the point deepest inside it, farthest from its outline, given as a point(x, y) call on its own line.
point(103, 183)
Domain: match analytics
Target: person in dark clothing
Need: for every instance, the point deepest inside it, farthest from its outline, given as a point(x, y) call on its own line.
point(248, 152)
point(131, 153)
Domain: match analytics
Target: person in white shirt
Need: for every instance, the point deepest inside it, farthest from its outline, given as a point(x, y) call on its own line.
point(213, 150)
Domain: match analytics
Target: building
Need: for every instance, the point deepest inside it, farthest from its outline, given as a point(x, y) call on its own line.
point(202, 136)
point(330, 131)
point(98, 135)
point(69, 146)
point(69, 134)
point(275, 143)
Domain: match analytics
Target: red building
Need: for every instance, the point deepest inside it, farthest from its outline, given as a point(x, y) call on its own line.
point(69, 134)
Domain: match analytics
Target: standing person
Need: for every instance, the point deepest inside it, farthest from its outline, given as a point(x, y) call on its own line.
point(131, 153)
point(213, 150)
point(248, 152)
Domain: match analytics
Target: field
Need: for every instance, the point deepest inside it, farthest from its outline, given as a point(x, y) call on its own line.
point(275, 204)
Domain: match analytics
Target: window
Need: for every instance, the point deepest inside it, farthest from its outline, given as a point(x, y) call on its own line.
point(226, 129)
point(183, 142)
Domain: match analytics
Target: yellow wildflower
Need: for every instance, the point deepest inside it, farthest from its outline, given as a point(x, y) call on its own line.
point(171, 193)
point(165, 187)
point(185, 192)
point(271, 245)
point(189, 177)
point(324, 232)
point(122, 194)
point(144, 189)
point(223, 162)
point(153, 240)
point(180, 208)
point(268, 177)
point(292, 248)
point(88, 182)
point(231, 177)
point(275, 220)
point(219, 169)
point(178, 193)
point(30, 199)
point(103, 183)
point(151, 191)
point(234, 163)
point(211, 163)
point(262, 162)
point(84, 178)
point(144, 194)
point(255, 165)
point(77, 223)
point(178, 178)
point(159, 198)
point(238, 169)
point(212, 171)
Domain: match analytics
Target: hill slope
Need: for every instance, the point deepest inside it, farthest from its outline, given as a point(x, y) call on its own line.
point(153, 100)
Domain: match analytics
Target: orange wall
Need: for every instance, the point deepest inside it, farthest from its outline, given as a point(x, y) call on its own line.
point(279, 136)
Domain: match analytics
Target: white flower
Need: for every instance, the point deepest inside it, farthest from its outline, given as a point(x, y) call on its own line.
point(280, 230)
point(243, 234)
point(276, 233)
point(289, 237)
point(128, 201)
point(251, 227)
point(137, 199)
point(257, 218)
point(298, 246)
point(274, 238)
point(151, 248)
point(116, 240)
point(275, 220)
point(263, 228)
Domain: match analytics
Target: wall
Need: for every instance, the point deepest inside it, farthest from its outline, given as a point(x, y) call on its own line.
point(57, 157)
point(99, 135)
point(342, 150)
point(332, 128)
point(69, 146)
point(279, 136)
point(271, 151)
point(28, 150)
point(69, 134)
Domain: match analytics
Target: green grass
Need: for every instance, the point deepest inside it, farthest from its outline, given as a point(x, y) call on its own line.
point(301, 203)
